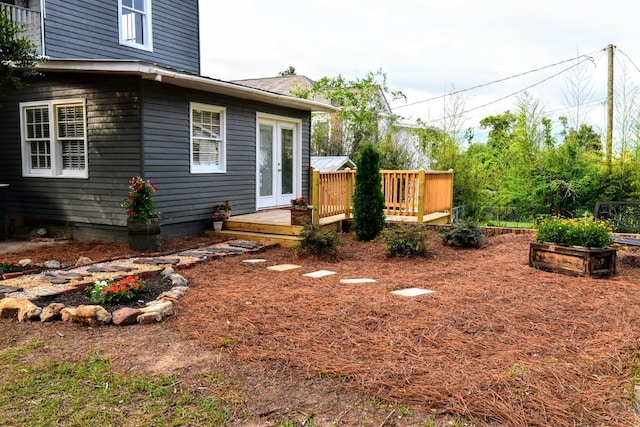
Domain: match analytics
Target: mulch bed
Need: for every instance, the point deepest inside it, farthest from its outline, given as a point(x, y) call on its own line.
point(498, 343)
point(154, 286)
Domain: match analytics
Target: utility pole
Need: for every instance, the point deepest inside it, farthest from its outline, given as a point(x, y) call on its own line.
point(609, 152)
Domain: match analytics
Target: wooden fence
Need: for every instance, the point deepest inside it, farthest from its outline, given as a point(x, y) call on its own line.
point(407, 193)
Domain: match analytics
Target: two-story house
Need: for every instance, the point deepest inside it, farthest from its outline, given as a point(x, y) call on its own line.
point(120, 95)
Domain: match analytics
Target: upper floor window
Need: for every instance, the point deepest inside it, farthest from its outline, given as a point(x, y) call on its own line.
point(135, 23)
point(54, 138)
point(207, 139)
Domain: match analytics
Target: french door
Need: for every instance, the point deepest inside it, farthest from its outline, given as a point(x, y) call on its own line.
point(279, 157)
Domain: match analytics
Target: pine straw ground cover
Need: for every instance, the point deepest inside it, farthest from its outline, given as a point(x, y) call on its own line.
point(498, 343)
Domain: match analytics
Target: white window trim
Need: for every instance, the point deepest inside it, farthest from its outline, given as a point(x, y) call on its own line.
point(56, 170)
point(148, 32)
point(222, 167)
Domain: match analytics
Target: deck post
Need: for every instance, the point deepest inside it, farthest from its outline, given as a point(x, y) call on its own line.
point(348, 188)
point(451, 203)
point(421, 195)
point(315, 196)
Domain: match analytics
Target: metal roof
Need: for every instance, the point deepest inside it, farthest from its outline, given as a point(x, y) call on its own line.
point(331, 163)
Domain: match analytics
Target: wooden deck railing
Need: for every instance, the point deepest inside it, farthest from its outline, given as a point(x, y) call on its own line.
point(413, 193)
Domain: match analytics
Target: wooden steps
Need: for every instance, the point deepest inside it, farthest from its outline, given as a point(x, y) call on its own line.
point(287, 241)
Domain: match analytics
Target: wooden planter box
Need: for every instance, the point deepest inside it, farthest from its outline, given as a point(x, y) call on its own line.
point(301, 216)
point(573, 261)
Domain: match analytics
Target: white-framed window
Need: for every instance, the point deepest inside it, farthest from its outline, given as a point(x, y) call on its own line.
point(134, 21)
point(208, 142)
point(54, 138)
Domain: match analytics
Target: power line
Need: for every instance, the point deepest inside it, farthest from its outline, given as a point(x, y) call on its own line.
point(586, 56)
point(519, 91)
point(630, 60)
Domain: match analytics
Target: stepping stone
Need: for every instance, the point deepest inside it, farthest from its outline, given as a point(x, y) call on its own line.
point(320, 273)
point(59, 281)
point(227, 250)
point(4, 289)
point(283, 267)
point(412, 292)
point(254, 260)
point(355, 281)
point(157, 261)
point(245, 244)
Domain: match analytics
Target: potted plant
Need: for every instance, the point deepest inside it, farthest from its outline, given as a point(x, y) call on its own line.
point(217, 220)
point(573, 246)
point(143, 224)
point(300, 211)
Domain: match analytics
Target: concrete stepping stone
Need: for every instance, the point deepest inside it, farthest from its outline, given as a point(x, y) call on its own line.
point(283, 267)
point(254, 260)
point(412, 292)
point(356, 281)
point(320, 273)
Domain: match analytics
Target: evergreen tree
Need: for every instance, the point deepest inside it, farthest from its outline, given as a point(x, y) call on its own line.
point(368, 199)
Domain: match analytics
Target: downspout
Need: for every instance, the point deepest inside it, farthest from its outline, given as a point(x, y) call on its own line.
point(42, 16)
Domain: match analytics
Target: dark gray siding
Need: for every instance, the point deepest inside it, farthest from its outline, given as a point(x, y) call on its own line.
point(89, 30)
point(113, 129)
point(185, 199)
point(123, 115)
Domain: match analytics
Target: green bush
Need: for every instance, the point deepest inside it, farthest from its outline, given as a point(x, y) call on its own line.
point(405, 240)
point(368, 199)
point(317, 242)
point(463, 236)
point(584, 231)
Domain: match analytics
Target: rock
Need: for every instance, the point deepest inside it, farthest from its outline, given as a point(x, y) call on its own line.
point(178, 280)
point(83, 260)
point(148, 318)
point(125, 316)
point(20, 307)
point(165, 308)
point(39, 232)
point(174, 293)
point(88, 315)
point(52, 264)
point(25, 262)
point(51, 312)
point(168, 271)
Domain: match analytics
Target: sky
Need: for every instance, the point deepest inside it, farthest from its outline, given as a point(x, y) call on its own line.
point(428, 49)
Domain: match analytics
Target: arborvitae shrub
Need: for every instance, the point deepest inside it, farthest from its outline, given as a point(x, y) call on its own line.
point(368, 199)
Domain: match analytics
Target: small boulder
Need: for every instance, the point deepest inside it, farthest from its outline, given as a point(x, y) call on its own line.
point(165, 308)
point(51, 312)
point(52, 264)
point(168, 271)
point(150, 317)
point(126, 316)
point(88, 315)
point(83, 260)
point(178, 280)
point(25, 262)
point(20, 307)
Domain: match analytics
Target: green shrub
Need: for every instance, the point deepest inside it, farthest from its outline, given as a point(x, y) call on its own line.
point(368, 199)
point(317, 242)
point(405, 240)
point(463, 236)
point(584, 231)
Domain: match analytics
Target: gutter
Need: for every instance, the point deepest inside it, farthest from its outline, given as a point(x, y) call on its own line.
point(157, 73)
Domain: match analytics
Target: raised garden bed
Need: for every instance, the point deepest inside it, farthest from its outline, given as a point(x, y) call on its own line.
point(573, 261)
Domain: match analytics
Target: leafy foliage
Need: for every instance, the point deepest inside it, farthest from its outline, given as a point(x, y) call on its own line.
point(585, 231)
point(17, 54)
point(405, 240)
point(317, 242)
point(368, 199)
point(112, 291)
point(464, 235)
point(139, 204)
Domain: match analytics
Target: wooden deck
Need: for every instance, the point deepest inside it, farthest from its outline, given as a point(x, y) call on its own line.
point(274, 226)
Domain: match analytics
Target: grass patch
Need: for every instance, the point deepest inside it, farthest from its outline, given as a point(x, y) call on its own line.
point(91, 392)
